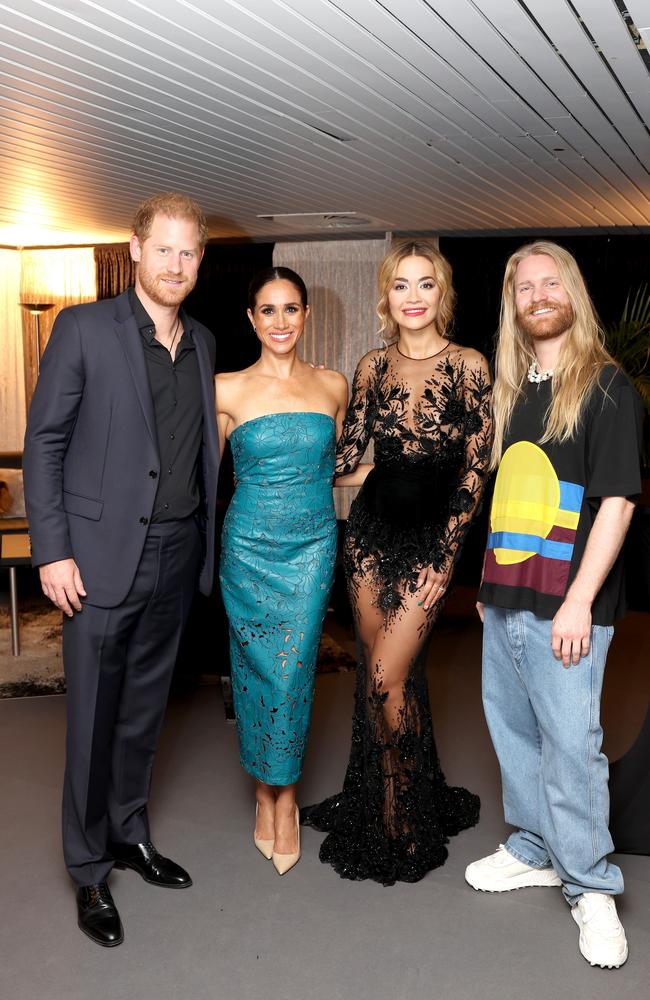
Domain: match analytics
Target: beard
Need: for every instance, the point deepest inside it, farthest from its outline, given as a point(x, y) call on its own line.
point(162, 294)
point(549, 326)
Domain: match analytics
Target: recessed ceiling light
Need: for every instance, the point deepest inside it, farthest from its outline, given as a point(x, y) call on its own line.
point(302, 215)
point(325, 220)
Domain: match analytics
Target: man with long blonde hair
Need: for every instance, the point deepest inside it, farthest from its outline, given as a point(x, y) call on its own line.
point(567, 438)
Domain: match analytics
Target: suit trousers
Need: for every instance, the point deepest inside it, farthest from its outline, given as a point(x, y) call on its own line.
point(118, 666)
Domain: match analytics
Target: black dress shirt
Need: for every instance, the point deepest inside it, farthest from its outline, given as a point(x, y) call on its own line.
point(176, 393)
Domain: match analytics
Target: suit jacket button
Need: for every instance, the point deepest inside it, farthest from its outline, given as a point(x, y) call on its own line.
point(144, 520)
point(153, 473)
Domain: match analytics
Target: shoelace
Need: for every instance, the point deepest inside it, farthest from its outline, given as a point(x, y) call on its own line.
point(602, 911)
point(99, 894)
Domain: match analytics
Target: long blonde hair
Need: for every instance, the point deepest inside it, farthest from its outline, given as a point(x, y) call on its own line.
point(582, 357)
point(441, 272)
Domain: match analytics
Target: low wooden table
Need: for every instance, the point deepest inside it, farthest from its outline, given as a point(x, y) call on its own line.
point(15, 550)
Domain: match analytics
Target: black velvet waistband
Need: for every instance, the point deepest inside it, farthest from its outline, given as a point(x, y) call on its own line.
point(409, 495)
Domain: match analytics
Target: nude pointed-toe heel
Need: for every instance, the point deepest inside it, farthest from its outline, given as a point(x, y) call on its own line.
point(265, 847)
point(283, 862)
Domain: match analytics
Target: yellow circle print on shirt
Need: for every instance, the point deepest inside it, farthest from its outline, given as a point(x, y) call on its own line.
point(526, 498)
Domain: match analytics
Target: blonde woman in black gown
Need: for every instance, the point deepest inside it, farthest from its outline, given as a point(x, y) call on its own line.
point(424, 401)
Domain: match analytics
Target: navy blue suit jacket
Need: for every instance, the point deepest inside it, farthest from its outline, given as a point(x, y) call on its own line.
point(91, 447)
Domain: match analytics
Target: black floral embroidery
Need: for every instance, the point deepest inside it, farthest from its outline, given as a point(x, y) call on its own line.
point(430, 424)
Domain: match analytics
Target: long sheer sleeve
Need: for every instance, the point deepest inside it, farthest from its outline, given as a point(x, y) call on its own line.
point(357, 426)
point(477, 430)
point(429, 422)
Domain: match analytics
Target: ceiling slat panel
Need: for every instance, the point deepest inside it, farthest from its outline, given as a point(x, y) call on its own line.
point(465, 17)
point(482, 57)
point(559, 21)
point(540, 60)
point(527, 39)
point(640, 13)
point(608, 29)
point(457, 115)
point(389, 56)
point(517, 132)
point(335, 153)
point(426, 176)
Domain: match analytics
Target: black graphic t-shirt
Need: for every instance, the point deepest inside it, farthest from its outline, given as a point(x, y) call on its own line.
point(546, 498)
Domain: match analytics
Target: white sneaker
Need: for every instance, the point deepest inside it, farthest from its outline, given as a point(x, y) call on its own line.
point(500, 872)
point(602, 938)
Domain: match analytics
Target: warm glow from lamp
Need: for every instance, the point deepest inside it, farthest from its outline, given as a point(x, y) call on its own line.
point(31, 218)
point(52, 279)
point(52, 275)
point(22, 235)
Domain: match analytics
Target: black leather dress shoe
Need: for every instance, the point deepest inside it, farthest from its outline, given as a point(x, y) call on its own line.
point(154, 868)
point(98, 916)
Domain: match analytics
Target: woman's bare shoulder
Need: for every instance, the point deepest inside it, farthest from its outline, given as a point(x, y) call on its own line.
point(231, 388)
point(233, 381)
point(333, 379)
point(228, 378)
point(469, 356)
point(373, 355)
point(370, 359)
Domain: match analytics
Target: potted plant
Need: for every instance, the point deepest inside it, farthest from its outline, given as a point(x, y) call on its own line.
point(628, 340)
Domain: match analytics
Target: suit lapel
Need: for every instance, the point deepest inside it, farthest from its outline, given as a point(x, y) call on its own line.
point(207, 392)
point(128, 334)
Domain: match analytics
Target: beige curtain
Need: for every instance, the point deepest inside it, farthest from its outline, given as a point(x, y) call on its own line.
point(114, 268)
point(12, 379)
point(63, 277)
point(341, 277)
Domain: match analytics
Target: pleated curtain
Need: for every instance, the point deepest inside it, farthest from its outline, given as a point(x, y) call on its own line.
point(114, 268)
point(341, 277)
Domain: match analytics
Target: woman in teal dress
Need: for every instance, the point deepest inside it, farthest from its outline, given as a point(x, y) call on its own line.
point(281, 416)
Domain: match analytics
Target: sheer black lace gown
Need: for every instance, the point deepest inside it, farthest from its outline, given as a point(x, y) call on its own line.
point(429, 420)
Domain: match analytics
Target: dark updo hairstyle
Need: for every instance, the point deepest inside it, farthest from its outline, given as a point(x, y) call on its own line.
point(275, 274)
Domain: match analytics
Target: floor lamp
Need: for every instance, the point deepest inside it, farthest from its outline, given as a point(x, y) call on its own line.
point(37, 309)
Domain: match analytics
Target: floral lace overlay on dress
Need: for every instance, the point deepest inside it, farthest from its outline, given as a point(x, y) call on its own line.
point(277, 565)
point(430, 424)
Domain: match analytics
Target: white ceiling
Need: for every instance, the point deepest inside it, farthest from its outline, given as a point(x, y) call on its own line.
point(440, 115)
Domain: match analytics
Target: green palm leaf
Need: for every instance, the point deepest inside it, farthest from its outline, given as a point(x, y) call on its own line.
point(628, 341)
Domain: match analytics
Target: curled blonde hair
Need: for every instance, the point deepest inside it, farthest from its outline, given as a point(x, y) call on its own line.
point(174, 205)
point(389, 329)
point(582, 357)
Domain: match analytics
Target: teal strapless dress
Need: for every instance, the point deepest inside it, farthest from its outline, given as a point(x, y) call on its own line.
point(277, 565)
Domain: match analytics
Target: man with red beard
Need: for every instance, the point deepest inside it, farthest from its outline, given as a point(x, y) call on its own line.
point(567, 434)
point(120, 470)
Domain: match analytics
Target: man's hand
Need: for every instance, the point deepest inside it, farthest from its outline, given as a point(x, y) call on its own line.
point(481, 610)
point(61, 582)
point(571, 632)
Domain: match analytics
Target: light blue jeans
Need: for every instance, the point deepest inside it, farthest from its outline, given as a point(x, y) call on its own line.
point(544, 720)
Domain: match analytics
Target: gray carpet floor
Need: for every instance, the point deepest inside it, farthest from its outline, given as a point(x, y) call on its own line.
point(242, 931)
